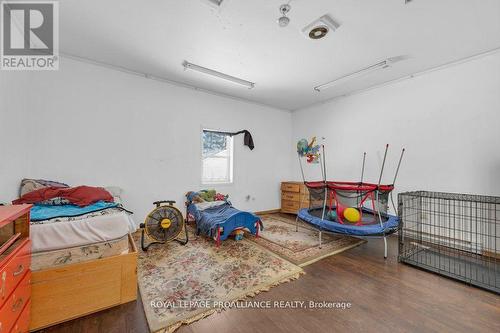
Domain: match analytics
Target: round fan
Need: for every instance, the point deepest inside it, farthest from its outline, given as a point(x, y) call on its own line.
point(163, 224)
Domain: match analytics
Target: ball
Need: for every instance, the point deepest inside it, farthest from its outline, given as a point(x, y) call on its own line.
point(332, 215)
point(352, 215)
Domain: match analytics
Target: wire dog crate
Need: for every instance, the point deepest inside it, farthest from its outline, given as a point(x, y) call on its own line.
point(455, 235)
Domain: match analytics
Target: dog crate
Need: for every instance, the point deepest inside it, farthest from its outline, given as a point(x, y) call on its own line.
point(455, 235)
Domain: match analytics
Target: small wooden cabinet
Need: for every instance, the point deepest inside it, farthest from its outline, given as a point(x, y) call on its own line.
point(294, 196)
point(15, 274)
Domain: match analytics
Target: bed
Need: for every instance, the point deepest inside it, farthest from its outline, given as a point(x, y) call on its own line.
point(69, 239)
point(219, 219)
point(62, 231)
point(84, 260)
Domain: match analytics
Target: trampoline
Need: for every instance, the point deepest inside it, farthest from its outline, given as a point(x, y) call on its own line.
point(356, 209)
point(368, 228)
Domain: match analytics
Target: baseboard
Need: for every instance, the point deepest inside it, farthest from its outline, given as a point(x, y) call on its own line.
point(272, 211)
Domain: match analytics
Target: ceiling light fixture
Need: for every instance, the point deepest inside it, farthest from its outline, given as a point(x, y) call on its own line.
point(216, 3)
point(204, 70)
point(378, 66)
point(284, 20)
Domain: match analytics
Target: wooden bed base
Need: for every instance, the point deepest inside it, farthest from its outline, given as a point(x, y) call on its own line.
point(63, 293)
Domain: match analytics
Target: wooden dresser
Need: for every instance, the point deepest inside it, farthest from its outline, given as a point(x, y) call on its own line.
point(294, 195)
point(15, 275)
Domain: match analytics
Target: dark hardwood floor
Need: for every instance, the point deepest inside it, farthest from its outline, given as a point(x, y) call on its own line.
point(386, 297)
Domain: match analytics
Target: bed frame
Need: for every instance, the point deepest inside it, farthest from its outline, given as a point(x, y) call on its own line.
point(63, 293)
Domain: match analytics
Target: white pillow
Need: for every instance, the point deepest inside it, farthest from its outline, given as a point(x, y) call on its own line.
point(116, 193)
point(209, 204)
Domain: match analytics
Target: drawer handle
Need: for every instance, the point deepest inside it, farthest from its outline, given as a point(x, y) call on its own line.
point(17, 304)
point(20, 269)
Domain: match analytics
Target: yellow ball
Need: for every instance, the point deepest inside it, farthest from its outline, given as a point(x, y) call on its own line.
point(352, 215)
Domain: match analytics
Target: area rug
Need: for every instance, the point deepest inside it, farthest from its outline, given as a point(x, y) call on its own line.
point(181, 284)
point(302, 247)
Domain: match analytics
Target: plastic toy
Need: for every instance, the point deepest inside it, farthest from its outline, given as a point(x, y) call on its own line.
point(352, 215)
point(309, 150)
point(238, 234)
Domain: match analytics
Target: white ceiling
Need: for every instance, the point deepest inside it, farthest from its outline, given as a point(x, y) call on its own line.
point(243, 39)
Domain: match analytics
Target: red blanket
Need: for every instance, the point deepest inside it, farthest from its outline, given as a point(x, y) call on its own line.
point(80, 195)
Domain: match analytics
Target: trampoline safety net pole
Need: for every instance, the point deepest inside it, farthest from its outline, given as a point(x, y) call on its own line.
point(395, 177)
point(378, 186)
point(399, 164)
point(325, 189)
point(300, 203)
point(362, 176)
point(363, 167)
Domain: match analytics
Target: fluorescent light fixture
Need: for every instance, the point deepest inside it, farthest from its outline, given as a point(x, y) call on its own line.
point(367, 70)
point(204, 70)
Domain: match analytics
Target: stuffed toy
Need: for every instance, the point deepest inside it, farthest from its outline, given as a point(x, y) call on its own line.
point(221, 197)
point(207, 195)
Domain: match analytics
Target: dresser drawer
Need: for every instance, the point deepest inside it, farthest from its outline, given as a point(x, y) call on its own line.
point(15, 304)
point(294, 196)
point(23, 322)
point(14, 270)
point(289, 205)
point(290, 187)
point(291, 196)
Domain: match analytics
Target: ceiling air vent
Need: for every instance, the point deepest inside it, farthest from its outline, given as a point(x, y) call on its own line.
point(320, 27)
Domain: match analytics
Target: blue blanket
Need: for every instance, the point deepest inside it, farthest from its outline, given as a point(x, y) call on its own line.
point(45, 212)
point(225, 216)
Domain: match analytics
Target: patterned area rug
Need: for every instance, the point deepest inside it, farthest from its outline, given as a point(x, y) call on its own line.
point(302, 247)
point(181, 284)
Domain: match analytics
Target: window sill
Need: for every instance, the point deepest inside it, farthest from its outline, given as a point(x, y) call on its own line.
point(217, 183)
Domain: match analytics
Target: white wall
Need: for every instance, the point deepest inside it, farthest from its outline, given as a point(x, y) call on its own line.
point(91, 125)
point(96, 126)
point(14, 163)
point(448, 120)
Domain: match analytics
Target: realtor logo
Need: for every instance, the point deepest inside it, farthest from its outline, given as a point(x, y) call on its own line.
point(29, 35)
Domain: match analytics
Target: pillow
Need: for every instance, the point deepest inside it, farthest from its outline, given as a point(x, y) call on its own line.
point(29, 185)
point(209, 204)
point(116, 193)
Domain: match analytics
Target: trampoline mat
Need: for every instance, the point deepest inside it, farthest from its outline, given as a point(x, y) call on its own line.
point(370, 227)
point(368, 217)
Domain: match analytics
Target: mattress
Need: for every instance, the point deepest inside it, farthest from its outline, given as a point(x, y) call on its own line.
point(91, 228)
point(73, 255)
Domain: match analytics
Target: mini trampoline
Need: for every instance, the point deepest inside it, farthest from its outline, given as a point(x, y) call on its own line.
point(356, 209)
point(368, 228)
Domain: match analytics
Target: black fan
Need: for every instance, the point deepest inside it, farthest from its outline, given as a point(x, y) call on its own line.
point(163, 224)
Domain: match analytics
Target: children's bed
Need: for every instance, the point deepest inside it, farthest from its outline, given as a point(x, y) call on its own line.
point(218, 219)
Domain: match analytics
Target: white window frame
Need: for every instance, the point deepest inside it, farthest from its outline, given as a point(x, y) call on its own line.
point(228, 180)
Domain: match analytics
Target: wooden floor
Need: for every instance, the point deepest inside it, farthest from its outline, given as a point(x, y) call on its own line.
point(386, 297)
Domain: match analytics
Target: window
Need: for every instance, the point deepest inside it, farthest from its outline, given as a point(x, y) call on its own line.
point(217, 157)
